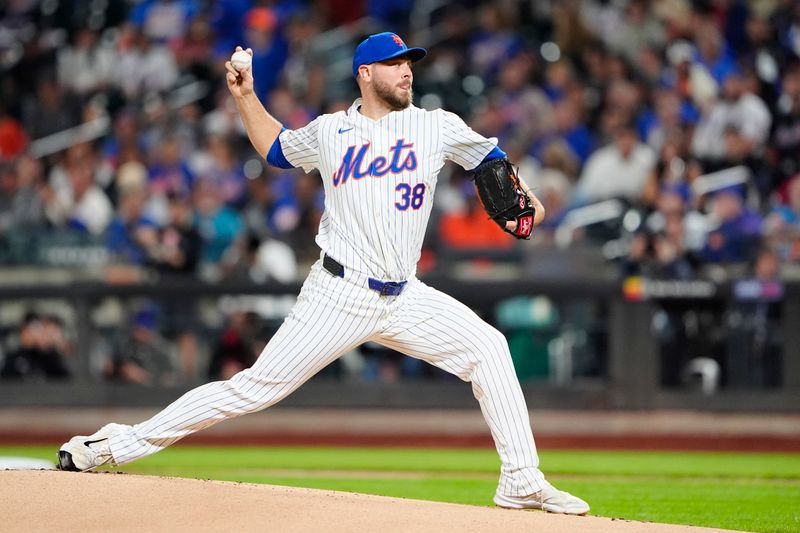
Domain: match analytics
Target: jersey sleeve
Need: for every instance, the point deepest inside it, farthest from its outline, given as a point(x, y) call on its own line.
point(301, 146)
point(462, 145)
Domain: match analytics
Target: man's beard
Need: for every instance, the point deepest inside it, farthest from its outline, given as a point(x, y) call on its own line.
point(395, 102)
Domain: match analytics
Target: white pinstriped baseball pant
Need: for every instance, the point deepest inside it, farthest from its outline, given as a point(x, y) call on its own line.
point(331, 317)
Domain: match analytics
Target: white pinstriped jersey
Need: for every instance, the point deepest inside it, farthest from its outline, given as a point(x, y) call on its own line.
point(379, 178)
point(379, 181)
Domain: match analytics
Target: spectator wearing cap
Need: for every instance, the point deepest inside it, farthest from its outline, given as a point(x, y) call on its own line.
point(270, 50)
point(42, 348)
point(737, 232)
point(142, 355)
point(618, 170)
point(131, 233)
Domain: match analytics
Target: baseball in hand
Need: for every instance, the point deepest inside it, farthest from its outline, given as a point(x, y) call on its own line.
point(241, 60)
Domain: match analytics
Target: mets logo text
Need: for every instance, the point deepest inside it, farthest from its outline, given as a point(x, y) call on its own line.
point(353, 163)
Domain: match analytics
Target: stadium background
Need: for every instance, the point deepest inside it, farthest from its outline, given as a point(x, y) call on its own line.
point(146, 248)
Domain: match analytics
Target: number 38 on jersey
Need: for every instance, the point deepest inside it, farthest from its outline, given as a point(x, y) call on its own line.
point(409, 196)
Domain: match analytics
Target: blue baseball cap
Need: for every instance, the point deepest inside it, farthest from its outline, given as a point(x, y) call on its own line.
point(383, 46)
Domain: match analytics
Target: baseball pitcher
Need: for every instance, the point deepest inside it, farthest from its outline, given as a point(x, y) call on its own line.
point(379, 161)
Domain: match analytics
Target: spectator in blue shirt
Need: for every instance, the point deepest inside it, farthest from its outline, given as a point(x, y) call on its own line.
point(736, 238)
point(713, 53)
point(164, 20)
point(270, 50)
point(219, 226)
point(131, 232)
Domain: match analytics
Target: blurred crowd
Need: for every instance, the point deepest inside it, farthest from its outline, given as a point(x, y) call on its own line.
point(665, 134)
point(39, 349)
point(686, 113)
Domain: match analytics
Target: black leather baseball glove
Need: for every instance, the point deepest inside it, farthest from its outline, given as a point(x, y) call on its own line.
point(502, 197)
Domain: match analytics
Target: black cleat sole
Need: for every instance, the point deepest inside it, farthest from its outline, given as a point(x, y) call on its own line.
point(65, 462)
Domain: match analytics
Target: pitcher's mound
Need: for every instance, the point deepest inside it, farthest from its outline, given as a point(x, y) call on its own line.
point(65, 501)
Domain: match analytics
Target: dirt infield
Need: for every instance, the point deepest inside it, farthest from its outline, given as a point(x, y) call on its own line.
point(61, 501)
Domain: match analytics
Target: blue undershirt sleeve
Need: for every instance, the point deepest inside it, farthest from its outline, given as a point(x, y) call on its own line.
point(496, 153)
point(275, 155)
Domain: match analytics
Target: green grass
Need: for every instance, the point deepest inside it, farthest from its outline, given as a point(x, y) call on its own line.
point(742, 491)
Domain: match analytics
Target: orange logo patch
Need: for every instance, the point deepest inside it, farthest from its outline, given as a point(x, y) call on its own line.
point(398, 40)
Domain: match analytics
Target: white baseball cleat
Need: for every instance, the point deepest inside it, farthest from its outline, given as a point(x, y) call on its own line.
point(549, 499)
point(83, 453)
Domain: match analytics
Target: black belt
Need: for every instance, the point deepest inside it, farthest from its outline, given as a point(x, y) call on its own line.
point(385, 288)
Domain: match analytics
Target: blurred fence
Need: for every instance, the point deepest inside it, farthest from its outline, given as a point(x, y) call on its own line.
point(576, 343)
